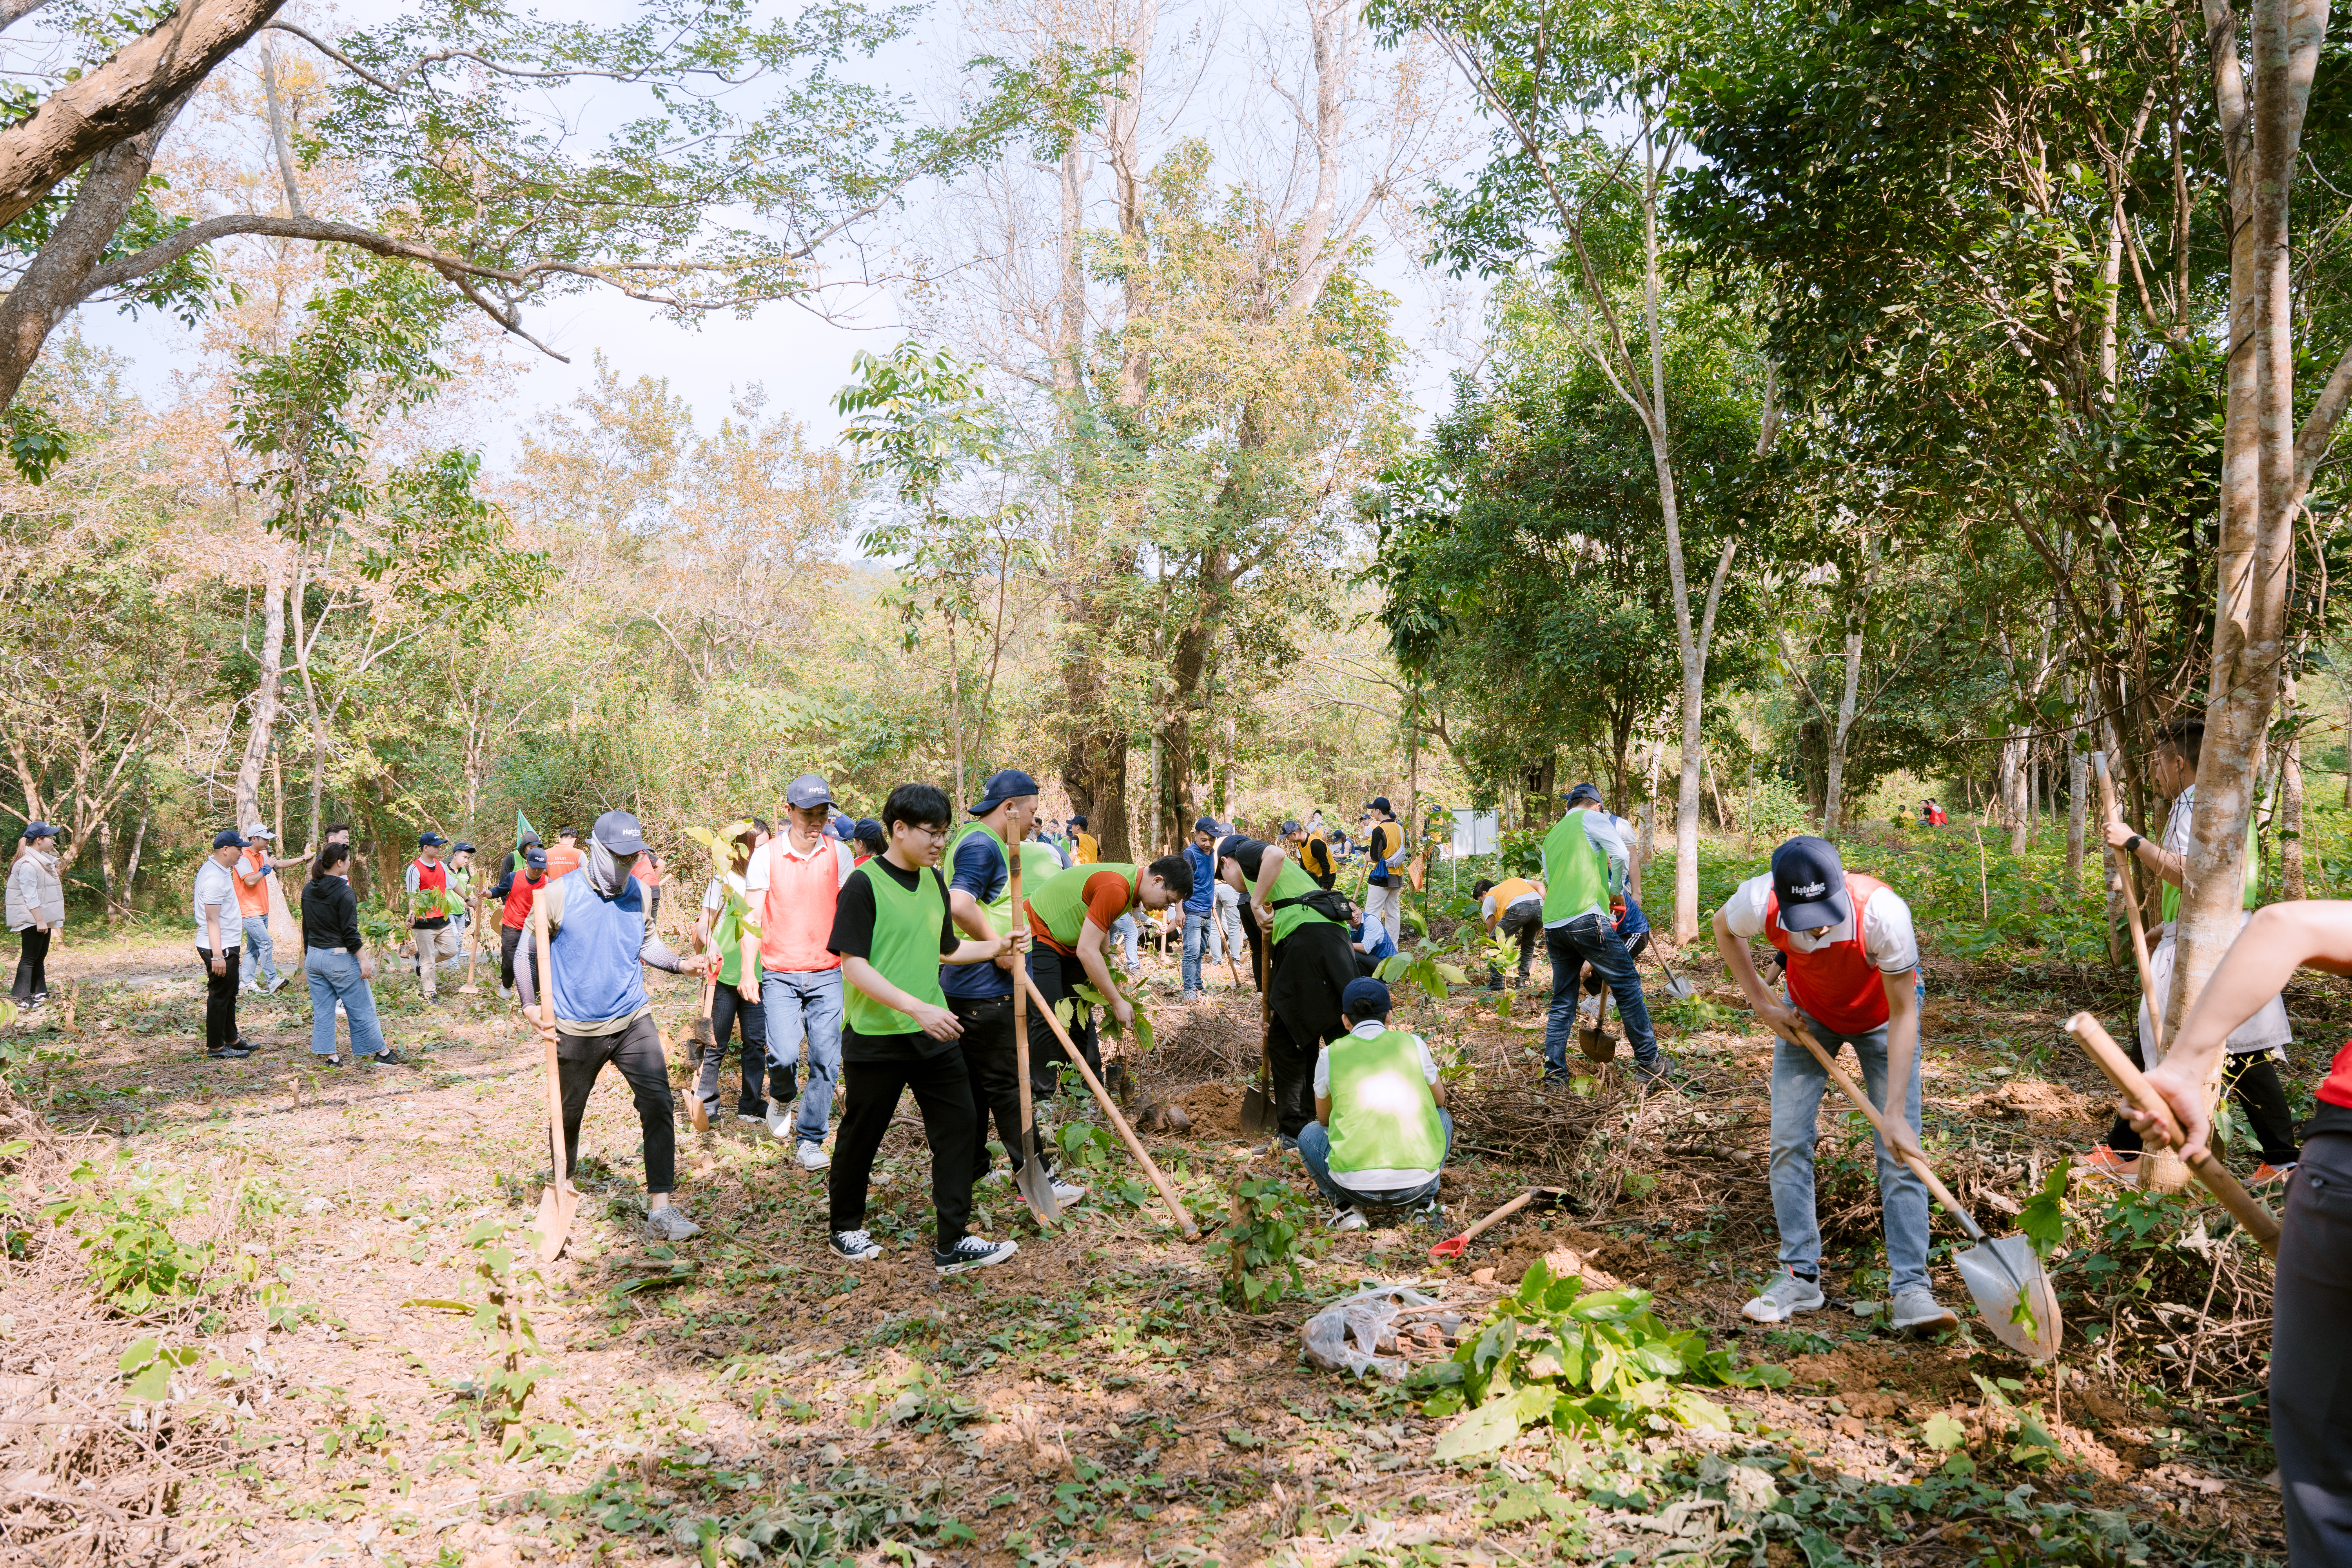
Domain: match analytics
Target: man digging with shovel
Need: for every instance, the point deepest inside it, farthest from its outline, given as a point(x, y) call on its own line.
point(1854, 966)
point(598, 942)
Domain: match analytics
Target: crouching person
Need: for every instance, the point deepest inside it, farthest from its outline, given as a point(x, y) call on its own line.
point(1381, 1131)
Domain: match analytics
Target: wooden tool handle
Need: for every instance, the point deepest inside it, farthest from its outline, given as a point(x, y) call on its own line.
point(2131, 910)
point(1853, 1092)
point(558, 1178)
point(1184, 1224)
point(1021, 1013)
point(2133, 1084)
point(1499, 1216)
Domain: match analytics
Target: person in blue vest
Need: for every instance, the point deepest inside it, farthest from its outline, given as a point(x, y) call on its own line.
point(1381, 1132)
point(1200, 904)
point(600, 943)
point(1585, 865)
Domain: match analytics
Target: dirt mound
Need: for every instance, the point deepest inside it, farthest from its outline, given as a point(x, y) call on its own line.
point(1206, 1039)
point(1215, 1109)
point(2036, 1101)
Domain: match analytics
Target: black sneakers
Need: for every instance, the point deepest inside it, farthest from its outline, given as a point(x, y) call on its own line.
point(231, 1053)
point(973, 1252)
point(858, 1246)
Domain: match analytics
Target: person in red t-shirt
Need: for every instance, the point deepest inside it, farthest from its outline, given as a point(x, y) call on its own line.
point(1854, 980)
point(515, 895)
point(2311, 1355)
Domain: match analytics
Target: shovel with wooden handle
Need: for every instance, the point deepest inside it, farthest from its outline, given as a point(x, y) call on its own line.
point(1184, 1224)
point(2131, 909)
point(1597, 1043)
point(559, 1200)
point(1035, 1185)
point(704, 1034)
point(2249, 1210)
point(1541, 1197)
point(1257, 1101)
point(2013, 1290)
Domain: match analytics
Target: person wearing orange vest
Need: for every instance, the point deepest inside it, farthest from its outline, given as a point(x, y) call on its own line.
point(2310, 1301)
point(564, 857)
point(253, 871)
point(1512, 907)
point(793, 881)
point(428, 921)
point(1854, 980)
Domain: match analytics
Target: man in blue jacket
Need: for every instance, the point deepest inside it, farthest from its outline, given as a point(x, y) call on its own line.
point(1200, 906)
point(600, 940)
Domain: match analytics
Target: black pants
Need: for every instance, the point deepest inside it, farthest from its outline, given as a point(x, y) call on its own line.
point(509, 938)
point(2311, 1356)
point(636, 1051)
point(1524, 920)
point(994, 1068)
point(32, 965)
point(762, 1081)
point(881, 1067)
point(1312, 966)
point(220, 999)
point(2252, 1081)
point(1054, 975)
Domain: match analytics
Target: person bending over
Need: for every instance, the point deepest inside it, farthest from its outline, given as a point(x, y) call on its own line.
point(1381, 1132)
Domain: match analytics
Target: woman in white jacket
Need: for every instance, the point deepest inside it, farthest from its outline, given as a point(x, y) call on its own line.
point(36, 908)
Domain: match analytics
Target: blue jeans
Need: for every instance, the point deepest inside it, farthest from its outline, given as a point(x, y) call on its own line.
point(1588, 939)
point(334, 976)
point(1196, 942)
point(1798, 1084)
point(264, 969)
point(806, 1005)
point(1314, 1150)
point(1129, 937)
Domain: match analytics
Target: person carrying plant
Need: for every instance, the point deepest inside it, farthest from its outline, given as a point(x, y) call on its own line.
point(2259, 1042)
point(514, 895)
point(596, 1010)
point(980, 896)
point(1585, 866)
point(427, 881)
point(1854, 980)
point(794, 883)
point(1309, 962)
point(1384, 884)
point(1511, 907)
point(1072, 915)
point(892, 931)
point(1381, 1132)
point(36, 908)
point(2311, 1302)
point(727, 927)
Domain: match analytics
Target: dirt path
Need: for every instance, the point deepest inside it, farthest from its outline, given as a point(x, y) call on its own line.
point(747, 1397)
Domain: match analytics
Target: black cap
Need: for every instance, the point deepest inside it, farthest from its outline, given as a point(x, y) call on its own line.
point(1002, 786)
point(619, 832)
point(461, 848)
point(1809, 881)
point(1584, 792)
point(1380, 803)
point(535, 857)
point(429, 839)
point(1210, 825)
point(228, 838)
point(1077, 821)
point(1290, 826)
point(1364, 998)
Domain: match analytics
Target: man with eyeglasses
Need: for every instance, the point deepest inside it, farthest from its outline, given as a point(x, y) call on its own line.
point(1854, 980)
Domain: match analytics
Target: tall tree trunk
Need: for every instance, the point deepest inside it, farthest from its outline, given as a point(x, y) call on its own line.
point(1857, 612)
point(2288, 824)
point(2262, 138)
point(264, 692)
point(2078, 805)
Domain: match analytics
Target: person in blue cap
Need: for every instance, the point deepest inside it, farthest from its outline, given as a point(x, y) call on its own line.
point(215, 914)
point(1854, 980)
point(794, 884)
point(1381, 1132)
point(980, 899)
point(598, 1011)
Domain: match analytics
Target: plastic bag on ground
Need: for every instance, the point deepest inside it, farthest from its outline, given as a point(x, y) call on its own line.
point(1353, 1330)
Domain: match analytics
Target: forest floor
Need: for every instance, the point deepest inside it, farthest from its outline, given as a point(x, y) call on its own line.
point(325, 1391)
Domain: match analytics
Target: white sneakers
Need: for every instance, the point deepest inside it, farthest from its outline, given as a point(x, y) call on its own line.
point(1067, 1192)
point(1918, 1309)
point(780, 1119)
point(1788, 1295)
point(812, 1157)
point(1348, 1219)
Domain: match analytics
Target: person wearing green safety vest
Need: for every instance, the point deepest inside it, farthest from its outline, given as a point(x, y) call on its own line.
point(1309, 959)
point(2254, 1044)
point(891, 930)
point(1381, 1132)
point(729, 926)
point(1584, 868)
point(979, 896)
point(1071, 914)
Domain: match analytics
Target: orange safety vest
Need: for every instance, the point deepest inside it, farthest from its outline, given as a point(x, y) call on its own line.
point(1838, 985)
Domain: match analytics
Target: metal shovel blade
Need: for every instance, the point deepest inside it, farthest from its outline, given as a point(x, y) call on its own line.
point(1257, 1110)
point(1598, 1046)
point(1037, 1185)
point(2000, 1273)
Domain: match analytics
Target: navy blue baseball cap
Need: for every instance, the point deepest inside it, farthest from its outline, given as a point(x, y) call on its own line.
point(1584, 792)
point(228, 838)
point(1809, 881)
point(462, 848)
point(535, 857)
point(428, 838)
point(807, 791)
point(1364, 998)
point(1008, 785)
point(619, 832)
point(39, 830)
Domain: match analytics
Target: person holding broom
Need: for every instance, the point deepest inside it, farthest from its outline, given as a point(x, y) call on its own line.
point(980, 896)
point(1309, 962)
point(892, 931)
point(2310, 1301)
point(1072, 915)
point(596, 1009)
point(1854, 980)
